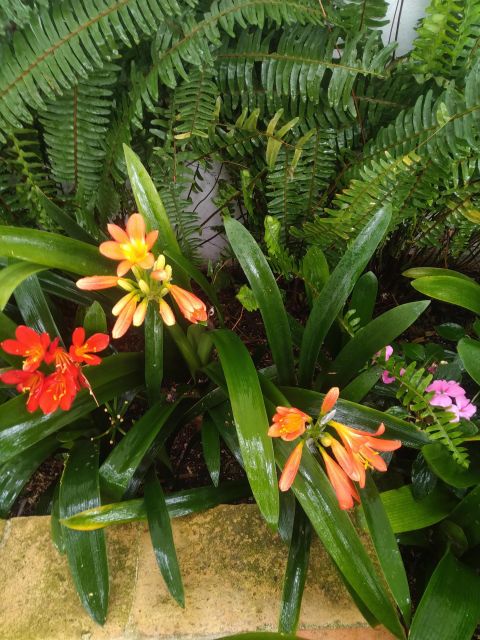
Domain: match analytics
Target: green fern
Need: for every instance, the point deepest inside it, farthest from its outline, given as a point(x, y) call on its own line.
point(75, 127)
point(448, 38)
point(49, 56)
point(357, 15)
point(412, 385)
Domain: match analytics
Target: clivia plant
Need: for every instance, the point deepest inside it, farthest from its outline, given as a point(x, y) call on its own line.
point(302, 415)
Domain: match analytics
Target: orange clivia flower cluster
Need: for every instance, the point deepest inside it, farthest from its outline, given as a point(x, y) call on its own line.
point(353, 453)
point(51, 391)
point(131, 246)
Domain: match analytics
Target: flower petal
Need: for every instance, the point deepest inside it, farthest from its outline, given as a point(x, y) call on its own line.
point(136, 227)
point(117, 233)
point(112, 250)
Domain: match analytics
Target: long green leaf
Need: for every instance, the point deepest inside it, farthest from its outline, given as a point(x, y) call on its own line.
point(53, 251)
point(356, 415)
point(423, 272)
point(467, 515)
point(182, 503)
point(450, 606)
point(407, 514)
point(334, 528)
point(119, 468)
point(56, 529)
point(86, 551)
point(358, 388)
point(444, 466)
point(457, 291)
point(250, 420)
point(95, 320)
point(371, 338)
point(386, 547)
point(335, 293)
point(469, 351)
point(20, 429)
point(62, 219)
point(34, 307)
point(12, 275)
point(267, 295)
point(211, 448)
point(162, 538)
point(364, 296)
point(153, 354)
point(295, 572)
point(15, 473)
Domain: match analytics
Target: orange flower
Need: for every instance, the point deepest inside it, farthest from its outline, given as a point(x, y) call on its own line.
point(94, 283)
point(291, 468)
point(83, 350)
point(191, 307)
point(166, 312)
point(125, 310)
point(330, 400)
point(130, 246)
point(31, 381)
point(360, 450)
point(59, 390)
point(288, 423)
point(341, 483)
point(30, 344)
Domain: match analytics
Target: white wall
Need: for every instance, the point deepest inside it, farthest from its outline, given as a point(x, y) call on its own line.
point(411, 12)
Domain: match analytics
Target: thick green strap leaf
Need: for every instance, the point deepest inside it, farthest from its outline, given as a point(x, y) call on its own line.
point(371, 338)
point(423, 272)
point(153, 354)
point(444, 466)
point(295, 572)
point(469, 352)
point(34, 307)
point(267, 295)
point(53, 251)
point(364, 296)
point(182, 503)
point(62, 219)
point(450, 606)
point(386, 547)
point(20, 429)
point(335, 293)
point(467, 515)
point(250, 420)
point(86, 551)
point(56, 529)
point(407, 514)
point(162, 538)
point(119, 468)
point(358, 388)
point(463, 293)
point(13, 275)
point(95, 320)
point(356, 415)
point(15, 473)
point(211, 448)
point(334, 528)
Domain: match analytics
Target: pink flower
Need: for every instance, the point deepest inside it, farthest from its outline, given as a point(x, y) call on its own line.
point(384, 353)
point(462, 408)
point(388, 379)
point(445, 391)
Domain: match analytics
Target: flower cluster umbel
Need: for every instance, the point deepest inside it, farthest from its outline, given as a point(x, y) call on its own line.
point(131, 246)
point(57, 389)
point(354, 450)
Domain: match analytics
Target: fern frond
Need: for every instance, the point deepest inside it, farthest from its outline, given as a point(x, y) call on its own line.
point(18, 12)
point(356, 15)
point(448, 38)
point(22, 171)
point(49, 55)
point(436, 421)
point(302, 64)
point(192, 41)
point(195, 104)
point(75, 127)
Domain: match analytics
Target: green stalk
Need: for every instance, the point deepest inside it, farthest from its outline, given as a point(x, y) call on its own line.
point(185, 347)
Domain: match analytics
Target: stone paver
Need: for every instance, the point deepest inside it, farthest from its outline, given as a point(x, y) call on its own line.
point(232, 568)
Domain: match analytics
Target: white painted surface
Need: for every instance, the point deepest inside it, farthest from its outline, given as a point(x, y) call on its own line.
point(410, 12)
